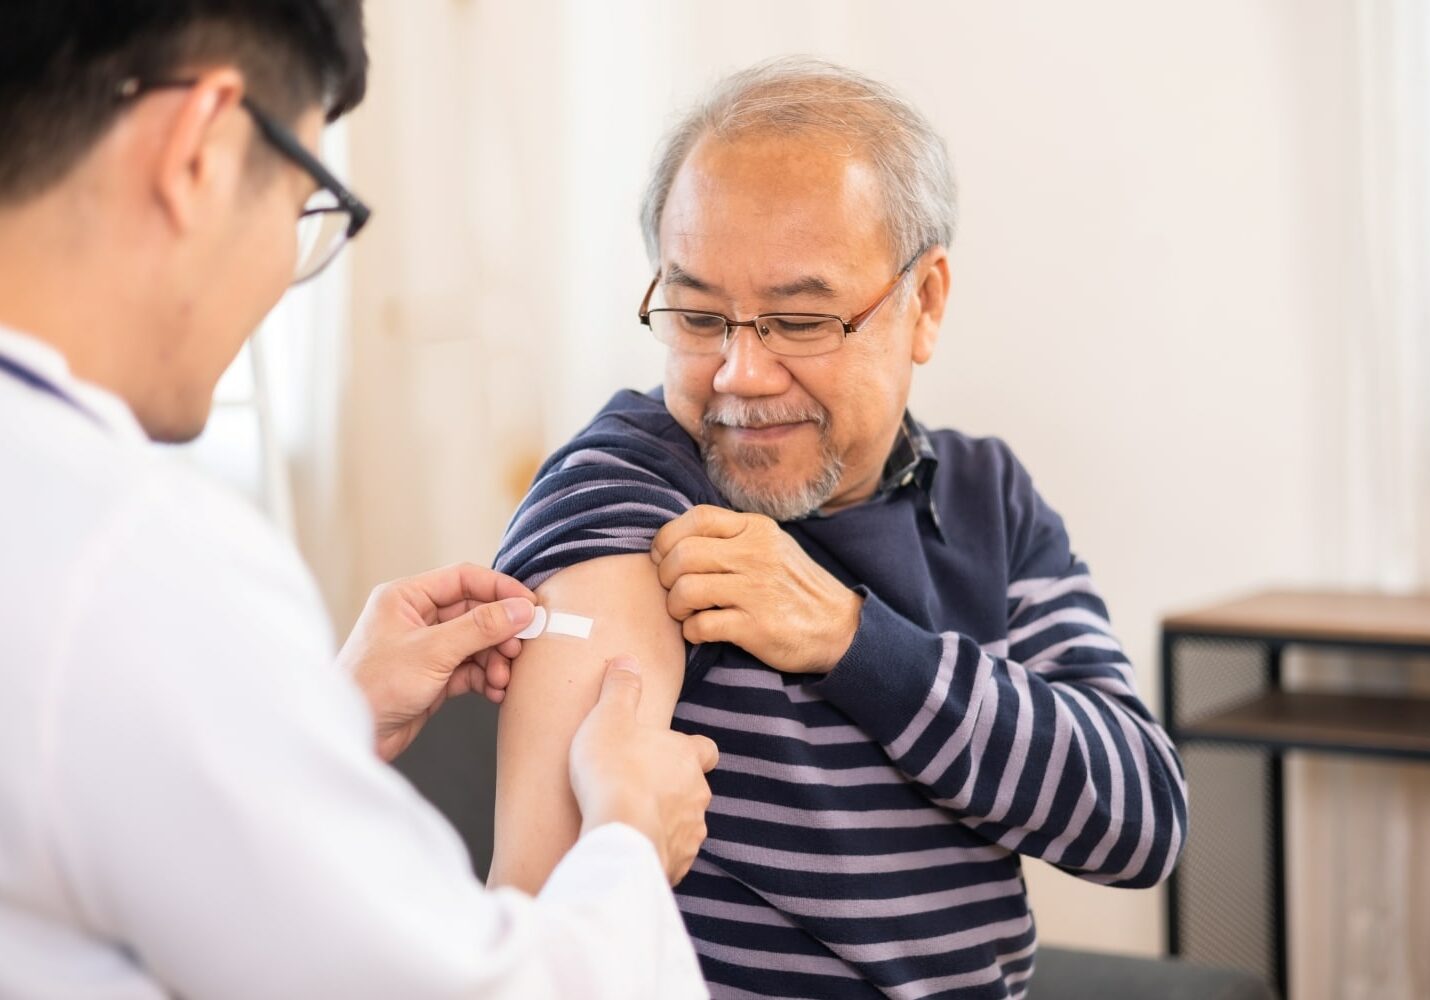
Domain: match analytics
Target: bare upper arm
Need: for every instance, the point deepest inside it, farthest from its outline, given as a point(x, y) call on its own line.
point(554, 683)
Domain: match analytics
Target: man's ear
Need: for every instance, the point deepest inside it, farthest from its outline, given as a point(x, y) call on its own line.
point(931, 298)
point(204, 148)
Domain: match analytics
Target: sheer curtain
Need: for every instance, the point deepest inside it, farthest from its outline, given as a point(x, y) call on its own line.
point(1387, 334)
point(1360, 912)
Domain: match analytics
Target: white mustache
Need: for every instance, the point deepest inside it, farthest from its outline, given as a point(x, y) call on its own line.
point(752, 413)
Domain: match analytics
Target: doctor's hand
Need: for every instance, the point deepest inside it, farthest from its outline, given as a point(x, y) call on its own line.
point(648, 777)
point(740, 578)
point(426, 638)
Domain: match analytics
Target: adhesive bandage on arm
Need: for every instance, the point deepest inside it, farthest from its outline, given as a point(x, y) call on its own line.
point(557, 623)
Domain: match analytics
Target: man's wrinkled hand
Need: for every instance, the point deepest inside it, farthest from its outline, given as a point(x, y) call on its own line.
point(426, 638)
point(740, 578)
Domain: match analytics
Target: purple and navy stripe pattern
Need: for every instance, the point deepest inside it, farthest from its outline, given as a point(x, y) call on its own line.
point(866, 828)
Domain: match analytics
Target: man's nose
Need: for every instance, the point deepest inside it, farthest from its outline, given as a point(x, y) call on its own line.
point(750, 368)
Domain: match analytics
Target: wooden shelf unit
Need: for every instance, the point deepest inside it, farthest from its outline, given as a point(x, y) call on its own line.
point(1316, 616)
point(1253, 723)
point(1379, 725)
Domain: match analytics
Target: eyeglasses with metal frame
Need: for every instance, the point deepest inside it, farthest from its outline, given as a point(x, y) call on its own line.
point(695, 331)
point(331, 217)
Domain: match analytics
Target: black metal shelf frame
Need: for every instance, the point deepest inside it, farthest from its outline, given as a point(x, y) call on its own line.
point(1274, 749)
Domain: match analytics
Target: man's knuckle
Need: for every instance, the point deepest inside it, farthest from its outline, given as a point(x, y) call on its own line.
point(694, 591)
point(673, 565)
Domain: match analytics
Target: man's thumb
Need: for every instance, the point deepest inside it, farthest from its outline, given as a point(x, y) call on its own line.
point(621, 689)
point(482, 627)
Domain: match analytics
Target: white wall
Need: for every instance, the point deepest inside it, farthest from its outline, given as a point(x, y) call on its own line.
point(1145, 295)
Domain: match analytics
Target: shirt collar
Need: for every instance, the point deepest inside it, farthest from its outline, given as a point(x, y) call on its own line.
point(911, 462)
point(107, 409)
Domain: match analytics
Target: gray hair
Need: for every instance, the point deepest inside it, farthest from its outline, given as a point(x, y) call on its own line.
point(798, 95)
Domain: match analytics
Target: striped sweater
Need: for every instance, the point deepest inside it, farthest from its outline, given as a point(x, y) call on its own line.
point(867, 826)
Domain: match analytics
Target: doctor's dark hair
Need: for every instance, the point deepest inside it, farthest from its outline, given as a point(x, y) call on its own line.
point(62, 63)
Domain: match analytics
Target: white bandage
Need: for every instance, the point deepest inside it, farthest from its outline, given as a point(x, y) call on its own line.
point(575, 626)
point(557, 623)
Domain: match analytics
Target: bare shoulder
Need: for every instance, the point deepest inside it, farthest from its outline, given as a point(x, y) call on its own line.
point(623, 603)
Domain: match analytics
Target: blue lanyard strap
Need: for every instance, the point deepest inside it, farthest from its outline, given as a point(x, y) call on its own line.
point(41, 384)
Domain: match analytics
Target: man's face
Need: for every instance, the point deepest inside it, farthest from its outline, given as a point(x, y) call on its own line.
point(238, 261)
point(787, 224)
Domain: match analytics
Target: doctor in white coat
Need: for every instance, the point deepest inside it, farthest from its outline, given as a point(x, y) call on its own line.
point(193, 794)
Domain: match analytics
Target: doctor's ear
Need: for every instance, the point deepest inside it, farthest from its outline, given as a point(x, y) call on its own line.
point(204, 142)
point(930, 298)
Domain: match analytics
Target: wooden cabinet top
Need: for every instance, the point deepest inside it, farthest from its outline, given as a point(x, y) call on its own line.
point(1324, 615)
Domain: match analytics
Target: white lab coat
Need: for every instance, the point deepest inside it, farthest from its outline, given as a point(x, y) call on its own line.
point(189, 800)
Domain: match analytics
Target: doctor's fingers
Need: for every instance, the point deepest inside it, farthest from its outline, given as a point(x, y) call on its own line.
point(511, 649)
point(474, 677)
point(498, 675)
point(688, 830)
point(458, 584)
point(685, 853)
point(707, 754)
point(483, 627)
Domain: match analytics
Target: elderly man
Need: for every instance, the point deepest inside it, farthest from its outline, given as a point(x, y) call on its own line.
point(911, 676)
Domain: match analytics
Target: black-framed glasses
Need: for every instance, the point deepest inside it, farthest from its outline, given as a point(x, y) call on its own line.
point(798, 335)
point(332, 216)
